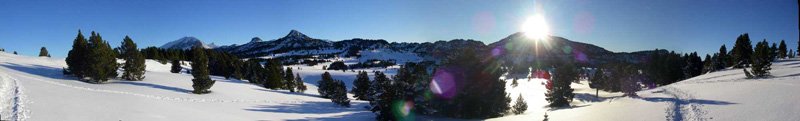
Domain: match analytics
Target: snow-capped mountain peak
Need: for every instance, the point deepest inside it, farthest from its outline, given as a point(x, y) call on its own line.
point(255, 39)
point(186, 43)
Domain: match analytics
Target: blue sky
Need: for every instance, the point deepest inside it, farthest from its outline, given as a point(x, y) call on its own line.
point(617, 25)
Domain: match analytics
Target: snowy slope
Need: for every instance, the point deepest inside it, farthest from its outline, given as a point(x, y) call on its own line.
point(45, 94)
point(723, 95)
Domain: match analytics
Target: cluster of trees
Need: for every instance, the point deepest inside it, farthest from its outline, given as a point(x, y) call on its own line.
point(270, 75)
point(96, 60)
point(480, 92)
point(333, 89)
point(559, 93)
point(743, 55)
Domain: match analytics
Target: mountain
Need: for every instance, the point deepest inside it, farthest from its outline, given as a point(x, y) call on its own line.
point(186, 43)
point(515, 49)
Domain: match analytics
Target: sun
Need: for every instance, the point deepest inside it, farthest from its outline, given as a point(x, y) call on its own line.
point(536, 28)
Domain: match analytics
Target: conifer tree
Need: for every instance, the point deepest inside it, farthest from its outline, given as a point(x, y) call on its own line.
point(15, 52)
point(561, 92)
point(782, 52)
point(338, 93)
point(382, 96)
point(134, 60)
point(742, 51)
point(290, 83)
point(761, 60)
point(254, 72)
point(78, 56)
point(301, 87)
point(325, 85)
point(361, 86)
point(520, 106)
point(43, 52)
point(773, 51)
point(274, 75)
point(201, 82)
point(597, 81)
point(176, 66)
point(724, 58)
point(102, 61)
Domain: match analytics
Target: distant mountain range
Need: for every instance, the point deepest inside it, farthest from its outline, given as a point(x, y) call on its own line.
point(516, 48)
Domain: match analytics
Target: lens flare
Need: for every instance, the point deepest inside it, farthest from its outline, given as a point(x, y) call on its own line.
point(536, 28)
point(443, 84)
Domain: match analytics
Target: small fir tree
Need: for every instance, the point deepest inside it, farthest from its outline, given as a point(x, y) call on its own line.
point(361, 86)
point(201, 82)
point(43, 52)
point(520, 106)
point(176, 66)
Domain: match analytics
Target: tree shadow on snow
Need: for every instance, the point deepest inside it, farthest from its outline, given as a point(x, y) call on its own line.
point(586, 97)
point(310, 108)
point(170, 88)
point(288, 93)
point(39, 70)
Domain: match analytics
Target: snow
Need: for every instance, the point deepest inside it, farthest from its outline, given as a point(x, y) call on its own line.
point(33, 88)
point(161, 96)
point(186, 43)
point(723, 95)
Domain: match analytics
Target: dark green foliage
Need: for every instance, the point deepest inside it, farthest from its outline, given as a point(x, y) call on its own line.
point(338, 93)
point(742, 51)
point(782, 52)
point(15, 52)
point(201, 82)
point(723, 58)
point(663, 68)
point(101, 60)
point(480, 92)
point(384, 94)
point(274, 75)
point(338, 65)
point(78, 57)
point(43, 52)
point(290, 81)
point(301, 87)
point(176, 66)
point(761, 60)
point(561, 92)
point(361, 86)
point(254, 72)
point(325, 85)
point(597, 80)
point(134, 61)
point(693, 66)
point(520, 106)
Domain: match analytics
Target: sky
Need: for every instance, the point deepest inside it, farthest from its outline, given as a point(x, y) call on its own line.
point(617, 25)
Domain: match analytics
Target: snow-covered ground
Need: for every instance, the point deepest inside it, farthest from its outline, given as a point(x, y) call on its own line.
point(33, 88)
point(722, 95)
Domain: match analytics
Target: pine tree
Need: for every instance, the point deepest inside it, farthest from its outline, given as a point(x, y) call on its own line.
point(201, 82)
point(102, 61)
point(742, 51)
point(724, 58)
point(361, 86)
point(338, 93)
point(597, 81)
point(290, 83)
point(782, 52)
point(134, 60)
point(78, 56)
point(254, 72)
point(15, 52)
point(43, 52)
point(761, 60)
point(325, 85)
point(383, 95)
point(176, 66)
point(274, 75)
point(773, 51)
point(561, 92)
point(520, 106)
point(301, 87)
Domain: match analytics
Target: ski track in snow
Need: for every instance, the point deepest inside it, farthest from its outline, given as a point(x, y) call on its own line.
point(18, 110)
point(682, 107)
point(165, 98)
